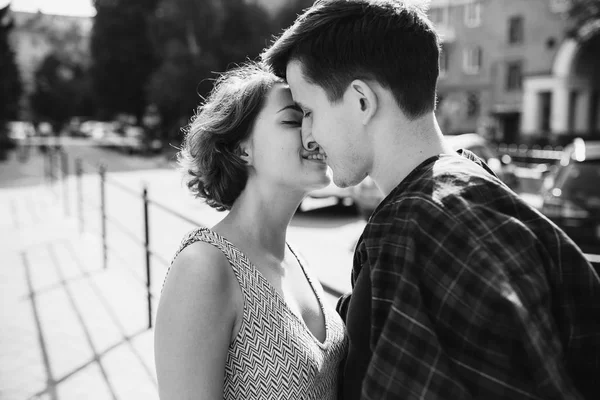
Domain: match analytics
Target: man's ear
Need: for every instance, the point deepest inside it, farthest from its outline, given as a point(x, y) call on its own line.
point(364, 98)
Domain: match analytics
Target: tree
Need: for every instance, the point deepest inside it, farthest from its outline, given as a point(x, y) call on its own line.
point(245, 32)
point(288, 14)
point(582, 11)
point(122, 54)
point(197, 40)
point(10, 80)
point(176, 85)
point(62, 90)
point(584, 17)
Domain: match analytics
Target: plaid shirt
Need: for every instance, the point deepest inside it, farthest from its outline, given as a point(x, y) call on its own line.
point(461, 290)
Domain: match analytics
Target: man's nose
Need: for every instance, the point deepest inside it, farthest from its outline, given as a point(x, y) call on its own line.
point(308, 142)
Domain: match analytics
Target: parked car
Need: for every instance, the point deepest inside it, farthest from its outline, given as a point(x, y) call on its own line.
point(136, 140)
point(337, 194)
point(571, 194)
point(98, 131)
point(20, 130)
point(367, 195)
point(502, 166)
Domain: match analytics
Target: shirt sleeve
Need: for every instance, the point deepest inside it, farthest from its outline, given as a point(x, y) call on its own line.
point(342, 305)
point(459, 312)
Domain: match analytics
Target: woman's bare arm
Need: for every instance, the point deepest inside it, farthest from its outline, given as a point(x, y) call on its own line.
point(195, 323)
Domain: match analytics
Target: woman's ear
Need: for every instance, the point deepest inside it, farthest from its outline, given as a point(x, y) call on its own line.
point(364, 99)
point(245, 153)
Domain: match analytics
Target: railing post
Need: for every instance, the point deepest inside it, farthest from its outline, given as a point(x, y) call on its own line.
point(53, 165)
point(52, 151)
point(102, 172)
point(78, 174)
point(50, 166)
point(45, 167)
point(147, 248)
point(64, 158)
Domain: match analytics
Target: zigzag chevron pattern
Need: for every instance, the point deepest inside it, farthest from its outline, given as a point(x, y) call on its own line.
point(275, 356)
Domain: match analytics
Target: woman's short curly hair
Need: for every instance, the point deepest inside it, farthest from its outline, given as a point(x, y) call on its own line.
point(210, 153)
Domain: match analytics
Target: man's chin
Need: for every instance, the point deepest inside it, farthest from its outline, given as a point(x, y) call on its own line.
point(340, 182)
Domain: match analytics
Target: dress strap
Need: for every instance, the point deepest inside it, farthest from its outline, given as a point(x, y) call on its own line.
point(235, 257)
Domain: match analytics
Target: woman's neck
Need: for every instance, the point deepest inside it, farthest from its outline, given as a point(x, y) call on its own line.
point(261, 221)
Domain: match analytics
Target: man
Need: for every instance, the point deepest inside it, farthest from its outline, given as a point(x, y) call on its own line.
point(460, 290)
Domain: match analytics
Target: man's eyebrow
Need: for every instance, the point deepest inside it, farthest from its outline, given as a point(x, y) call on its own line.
point(294, 107)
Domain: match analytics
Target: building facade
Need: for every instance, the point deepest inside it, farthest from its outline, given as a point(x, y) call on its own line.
point(511, 70)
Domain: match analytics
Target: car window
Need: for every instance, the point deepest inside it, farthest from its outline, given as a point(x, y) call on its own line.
point(580, 178)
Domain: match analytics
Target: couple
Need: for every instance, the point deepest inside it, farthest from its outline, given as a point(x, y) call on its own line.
point(460, 290)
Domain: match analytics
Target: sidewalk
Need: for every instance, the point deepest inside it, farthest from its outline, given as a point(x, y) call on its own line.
point(74, 330)
point(70, 329)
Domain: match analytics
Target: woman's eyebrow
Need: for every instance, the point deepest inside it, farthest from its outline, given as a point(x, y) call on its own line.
point(294, 107)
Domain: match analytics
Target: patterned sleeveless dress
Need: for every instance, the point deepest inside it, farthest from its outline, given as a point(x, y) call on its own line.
point(274, 355)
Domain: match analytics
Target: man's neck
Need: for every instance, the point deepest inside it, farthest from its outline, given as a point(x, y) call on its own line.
point(400, 149)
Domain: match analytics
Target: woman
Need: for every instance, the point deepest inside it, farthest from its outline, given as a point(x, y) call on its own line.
point(240, 316)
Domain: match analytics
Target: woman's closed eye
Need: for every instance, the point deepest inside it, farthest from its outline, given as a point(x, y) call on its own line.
point(292, 122)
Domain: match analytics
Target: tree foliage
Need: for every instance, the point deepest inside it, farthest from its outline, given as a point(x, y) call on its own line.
point(584, 17)
point(198, 39)
point(123, 55)
point(583, 11)
point(10, 80)
point(62, 90)
point(288, 14)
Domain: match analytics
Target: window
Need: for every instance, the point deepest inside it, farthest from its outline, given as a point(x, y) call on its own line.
point(515, 30)
point(514, 75)
point(472, 104)
point(472, 14)
point(437, 16)
point(545, 101)
point(573, 106)
point(443, 62)
point(472, 59)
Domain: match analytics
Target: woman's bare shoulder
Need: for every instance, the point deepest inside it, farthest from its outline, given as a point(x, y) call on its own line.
point(200, 270)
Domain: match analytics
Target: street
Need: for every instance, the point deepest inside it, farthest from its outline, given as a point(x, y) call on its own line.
point(76, 327)
point(324, 236)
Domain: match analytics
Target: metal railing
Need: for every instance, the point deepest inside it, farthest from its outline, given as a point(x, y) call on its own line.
point(530, 154)
point(56, 167)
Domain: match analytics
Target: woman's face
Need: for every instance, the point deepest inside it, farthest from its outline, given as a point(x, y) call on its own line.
point(276, 145)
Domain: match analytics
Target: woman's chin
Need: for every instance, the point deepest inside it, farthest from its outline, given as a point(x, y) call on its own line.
point(325, 181)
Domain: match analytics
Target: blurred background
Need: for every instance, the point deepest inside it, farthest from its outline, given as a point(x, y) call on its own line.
point(93, 96)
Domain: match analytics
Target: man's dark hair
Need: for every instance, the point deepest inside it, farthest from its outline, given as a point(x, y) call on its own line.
point(389, 41)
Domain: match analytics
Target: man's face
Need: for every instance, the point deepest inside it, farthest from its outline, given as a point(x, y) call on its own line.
point(333, 126)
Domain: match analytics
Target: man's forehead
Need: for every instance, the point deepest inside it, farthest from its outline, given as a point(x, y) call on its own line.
point(295, 72)
point(280, 93)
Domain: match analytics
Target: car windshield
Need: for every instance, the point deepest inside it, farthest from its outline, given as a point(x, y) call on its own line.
point(580, 179)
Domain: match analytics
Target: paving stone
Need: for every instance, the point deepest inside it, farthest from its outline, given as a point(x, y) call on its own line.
point(70, 329)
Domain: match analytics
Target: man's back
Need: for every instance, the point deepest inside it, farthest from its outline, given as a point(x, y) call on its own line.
point(471, 293)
